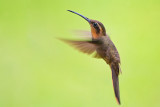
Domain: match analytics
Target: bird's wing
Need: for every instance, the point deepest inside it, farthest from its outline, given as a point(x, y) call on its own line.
point(84, 46)
point(115, 80)
point(83, 34)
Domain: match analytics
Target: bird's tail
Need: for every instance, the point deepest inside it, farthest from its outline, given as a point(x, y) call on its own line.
point(115, 72)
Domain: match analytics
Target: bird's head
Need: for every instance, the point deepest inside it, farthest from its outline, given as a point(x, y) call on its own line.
point(97, 28)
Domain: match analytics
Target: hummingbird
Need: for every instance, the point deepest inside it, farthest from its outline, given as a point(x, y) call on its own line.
point(103, 47)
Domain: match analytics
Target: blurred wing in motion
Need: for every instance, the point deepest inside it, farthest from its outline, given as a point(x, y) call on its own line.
point(84, 46)
point(83, 34)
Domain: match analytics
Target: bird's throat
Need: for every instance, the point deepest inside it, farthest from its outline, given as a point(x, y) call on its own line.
point(94, 33)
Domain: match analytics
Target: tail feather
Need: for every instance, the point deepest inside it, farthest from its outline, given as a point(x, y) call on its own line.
point(115, 80)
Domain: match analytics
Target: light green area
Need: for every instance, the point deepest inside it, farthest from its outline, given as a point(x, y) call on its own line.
point(36, 70)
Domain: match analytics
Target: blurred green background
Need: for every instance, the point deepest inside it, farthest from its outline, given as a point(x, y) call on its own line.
point(37, 70)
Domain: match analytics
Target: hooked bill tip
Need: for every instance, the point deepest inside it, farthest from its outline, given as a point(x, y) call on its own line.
point(69, 10)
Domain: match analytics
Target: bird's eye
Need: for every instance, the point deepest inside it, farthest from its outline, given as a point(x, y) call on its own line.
point(95, 24)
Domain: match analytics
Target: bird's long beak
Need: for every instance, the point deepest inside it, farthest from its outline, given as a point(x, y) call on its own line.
point(88, 20)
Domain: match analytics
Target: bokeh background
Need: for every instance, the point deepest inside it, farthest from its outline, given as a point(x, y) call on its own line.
point(37, 70)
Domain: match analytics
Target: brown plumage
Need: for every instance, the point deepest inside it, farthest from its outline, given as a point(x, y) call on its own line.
point(104, 48)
